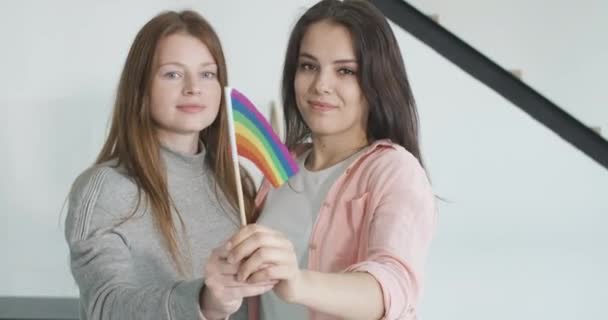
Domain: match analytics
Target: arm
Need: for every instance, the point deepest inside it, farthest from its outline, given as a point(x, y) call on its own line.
point(103, 271)
point(271, 256)
point(341, 294)
point(400, 233)
point(386, 285)
point(102, 265)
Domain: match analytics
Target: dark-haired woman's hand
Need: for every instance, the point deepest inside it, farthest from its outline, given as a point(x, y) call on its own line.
point(266, 255)
point(222, 293)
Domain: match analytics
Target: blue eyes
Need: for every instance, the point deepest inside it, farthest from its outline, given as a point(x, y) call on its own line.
point(209, 75)
point(178, 75)
point(172, 75)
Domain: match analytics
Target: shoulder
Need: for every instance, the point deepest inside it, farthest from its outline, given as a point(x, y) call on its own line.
point(397, 179)
point(388, 168)
point(99, 198)
point(103, 184)
point(392, 158)
point(98, 177)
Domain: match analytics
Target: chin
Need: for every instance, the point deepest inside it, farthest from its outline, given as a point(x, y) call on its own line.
point(323, 130)
point(187, 129)
point(322, 126)
point(195, 125)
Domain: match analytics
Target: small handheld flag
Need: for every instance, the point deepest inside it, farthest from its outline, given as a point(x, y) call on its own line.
point(252, 137)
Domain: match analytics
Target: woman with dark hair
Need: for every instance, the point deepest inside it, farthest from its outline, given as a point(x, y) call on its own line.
point(348, 236)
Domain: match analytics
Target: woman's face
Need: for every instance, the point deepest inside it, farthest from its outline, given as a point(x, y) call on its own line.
point(185, 92)
point(327, 91)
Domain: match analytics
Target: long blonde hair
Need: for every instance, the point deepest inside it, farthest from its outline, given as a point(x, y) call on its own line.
point(132, 139)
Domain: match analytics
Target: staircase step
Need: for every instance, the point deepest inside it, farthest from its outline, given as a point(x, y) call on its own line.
point(434, 17)
point(518, 73)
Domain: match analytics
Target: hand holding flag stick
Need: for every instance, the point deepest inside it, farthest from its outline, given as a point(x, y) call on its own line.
point(252, 137)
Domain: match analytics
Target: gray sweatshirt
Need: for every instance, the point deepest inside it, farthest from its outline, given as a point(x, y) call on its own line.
point(123, 270)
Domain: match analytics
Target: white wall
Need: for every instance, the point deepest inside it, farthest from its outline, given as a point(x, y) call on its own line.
point(61, 61)
point(522, 232)
point(558, 44)
point(520, 238)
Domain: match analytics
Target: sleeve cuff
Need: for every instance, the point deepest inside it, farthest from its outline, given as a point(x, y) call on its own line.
point(392, 295)
point(184, 300)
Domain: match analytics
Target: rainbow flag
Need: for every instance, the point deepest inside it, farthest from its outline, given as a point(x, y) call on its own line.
point(252, 137)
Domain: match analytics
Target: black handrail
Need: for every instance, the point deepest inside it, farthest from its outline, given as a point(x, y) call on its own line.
point(498, 79)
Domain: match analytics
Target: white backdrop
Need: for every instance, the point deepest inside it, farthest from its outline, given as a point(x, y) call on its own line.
point(522, 233)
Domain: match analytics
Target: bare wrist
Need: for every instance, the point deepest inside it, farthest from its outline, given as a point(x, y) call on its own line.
point(299, 288)
point(208, 306)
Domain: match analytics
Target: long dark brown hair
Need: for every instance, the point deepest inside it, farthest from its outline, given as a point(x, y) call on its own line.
point(382, 76)
point(132, 137)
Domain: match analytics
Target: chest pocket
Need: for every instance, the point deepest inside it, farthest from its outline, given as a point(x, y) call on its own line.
point(356, 212)
point(350, 236)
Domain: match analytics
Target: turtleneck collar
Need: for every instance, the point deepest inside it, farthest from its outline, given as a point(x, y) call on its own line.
point(184, 164)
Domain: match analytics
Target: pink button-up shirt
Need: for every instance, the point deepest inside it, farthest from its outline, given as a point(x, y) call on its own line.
point(378, 217)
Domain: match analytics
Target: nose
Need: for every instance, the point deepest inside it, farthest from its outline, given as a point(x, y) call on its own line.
point(323, 83)
point(192, 86)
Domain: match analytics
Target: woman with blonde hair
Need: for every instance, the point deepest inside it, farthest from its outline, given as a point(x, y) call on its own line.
point(143, 222)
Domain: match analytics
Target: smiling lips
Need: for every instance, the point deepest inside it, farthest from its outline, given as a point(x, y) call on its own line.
point(191, 108)
point(321, 106)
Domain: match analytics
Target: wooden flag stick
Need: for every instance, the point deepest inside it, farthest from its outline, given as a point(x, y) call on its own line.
point(239, 188)
point(235, 155)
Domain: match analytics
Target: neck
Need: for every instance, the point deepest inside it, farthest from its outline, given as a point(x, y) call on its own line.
point(181, 143)
point(332, 149)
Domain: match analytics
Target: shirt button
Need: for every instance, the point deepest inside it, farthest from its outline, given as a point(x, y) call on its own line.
point(325, 204)
point(312, 246)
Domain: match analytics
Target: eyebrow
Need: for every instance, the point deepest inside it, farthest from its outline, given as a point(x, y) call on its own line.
point(204, 64)
point(310, 56)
